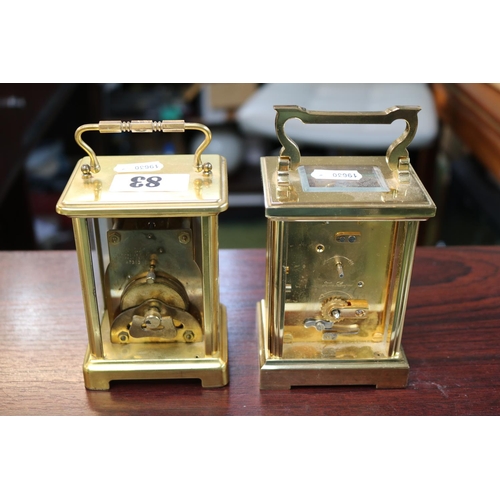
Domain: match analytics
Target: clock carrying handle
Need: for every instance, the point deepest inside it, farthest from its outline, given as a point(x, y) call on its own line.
point(397, 156)
point(140, 126)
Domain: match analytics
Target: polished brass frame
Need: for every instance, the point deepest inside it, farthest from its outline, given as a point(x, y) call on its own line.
point(84, 201)
point(406, 203)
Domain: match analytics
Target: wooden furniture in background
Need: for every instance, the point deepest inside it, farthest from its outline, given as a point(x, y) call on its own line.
point(472, 111)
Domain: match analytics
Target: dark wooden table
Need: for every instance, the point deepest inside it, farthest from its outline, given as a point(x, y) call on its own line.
point(451, 338)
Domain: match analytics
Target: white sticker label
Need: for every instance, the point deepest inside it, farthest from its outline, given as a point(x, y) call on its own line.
point(341, 175)
point(145, 182)
point(150, 166)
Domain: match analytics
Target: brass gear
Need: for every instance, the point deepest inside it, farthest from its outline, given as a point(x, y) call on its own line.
point(329, 306)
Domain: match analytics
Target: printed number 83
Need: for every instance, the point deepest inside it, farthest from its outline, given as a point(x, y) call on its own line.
point(151, 182)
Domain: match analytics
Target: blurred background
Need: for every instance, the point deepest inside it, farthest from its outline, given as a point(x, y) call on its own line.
point(456, 151)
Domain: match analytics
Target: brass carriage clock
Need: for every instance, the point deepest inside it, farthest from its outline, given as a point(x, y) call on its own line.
point(341, 238)
point(146, 233)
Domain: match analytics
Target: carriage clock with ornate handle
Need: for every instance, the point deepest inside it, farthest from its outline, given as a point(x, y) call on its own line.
point(146, 234)
point(341, 238)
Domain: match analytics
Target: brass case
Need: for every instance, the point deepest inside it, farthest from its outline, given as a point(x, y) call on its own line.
point(146, 234)
point(341, 238)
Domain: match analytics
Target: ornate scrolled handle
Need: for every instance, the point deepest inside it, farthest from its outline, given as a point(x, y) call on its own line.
point(397, 156)
point(140, 126)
